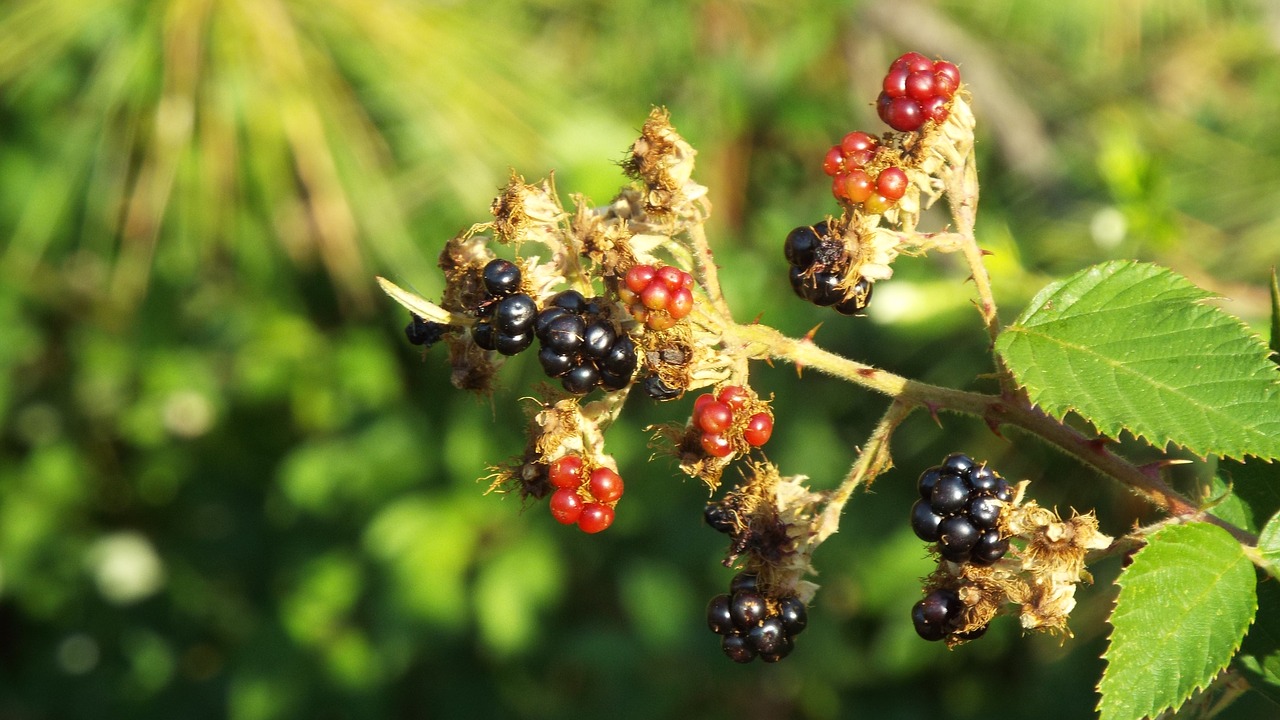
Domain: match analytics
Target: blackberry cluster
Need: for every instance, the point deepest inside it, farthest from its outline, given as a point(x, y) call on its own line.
point(581, 345)
point(959, 508)
point(916, 90)
point(424, 332)
point(939, 614)
point(659, 297)
point(817, 270)
point(852, 180)
point(506, 315)
point(714, 416)
point(752, 625)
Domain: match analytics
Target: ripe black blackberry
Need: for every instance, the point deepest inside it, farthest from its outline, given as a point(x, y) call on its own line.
point(505, 317)
point(581, 345)
point(751, 624)
point(424, 332)
point(959, 509)
point(819, 265)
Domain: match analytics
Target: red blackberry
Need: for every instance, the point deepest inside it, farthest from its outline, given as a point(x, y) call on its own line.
point(916, 90)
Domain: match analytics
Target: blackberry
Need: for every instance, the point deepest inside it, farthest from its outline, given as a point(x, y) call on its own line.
point(750, 624)
point(514, 315)
point(794, 615)
point(658, 390)
point(570, 300)
point(989, 548)
point(959, 509)
point(737, 648)
point(984, 511)
point(924, 521)
point(512, 344)
point(718, 615)
point(613, 382)
point(554, 364)
point(580, 379)
point(767, 637)
point(621, 358)
point(858, 299)
point(956, 537)
point(598, 338)
point(483, 335)
point(718, 518)
point(937, 614)
point(747, 608)
point(424, 332)
point(501, 277)
point(949, 495)
point(800, 246)
point(544, 318)
point(744, 581)
point(564, 334)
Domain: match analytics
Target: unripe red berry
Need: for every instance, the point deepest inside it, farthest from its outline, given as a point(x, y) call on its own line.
point(681, 303)
point(877, 204)
point(660, 321)
point(935, 109)
point(855, 186)
point(672, 276)
point(716, 445)
point(892, 183)
point(904, 114)
point(920, 85)
point(895, 83)
point(566, 472)
point(759, 429)
point(566, 506)
point(912, 62)
point(595, 517)
point(735, 396)
point(946, 78)
point(833, 163)
point(857, 142)
point(715, 417)
point(638, 277)
point(605, 485)
point(655, 296)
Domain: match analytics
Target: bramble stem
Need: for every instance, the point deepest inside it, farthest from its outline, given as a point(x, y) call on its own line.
point(706, 264)
point(763, 342)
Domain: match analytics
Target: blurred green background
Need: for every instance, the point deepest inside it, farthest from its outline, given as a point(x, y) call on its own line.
point(230, 488)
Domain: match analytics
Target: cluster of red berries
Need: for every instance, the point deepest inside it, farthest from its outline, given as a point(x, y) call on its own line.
point(658, 297)
point(959, 508)
point(917, 90)
point(583, 498)
point(752, 625)
point(714, 415)
point(939, 614)
point(851, 182)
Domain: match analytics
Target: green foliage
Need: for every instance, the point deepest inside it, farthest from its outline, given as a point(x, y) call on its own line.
point(1259, 659)
point(1131, 346)
point(1269, 545)
point(1165, 643)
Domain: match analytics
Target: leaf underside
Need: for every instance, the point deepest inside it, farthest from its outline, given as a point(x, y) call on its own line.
point(1183, 609)
point(1132, 346)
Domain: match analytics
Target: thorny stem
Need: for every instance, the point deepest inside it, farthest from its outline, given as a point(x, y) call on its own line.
point(962, 194)
point(763, 342)
point(707, 268)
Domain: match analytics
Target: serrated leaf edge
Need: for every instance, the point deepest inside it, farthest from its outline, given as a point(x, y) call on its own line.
point(1235, 649)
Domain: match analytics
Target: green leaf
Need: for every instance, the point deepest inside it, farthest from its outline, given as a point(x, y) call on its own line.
point(1132, 346)
point(1269, 545)
point(1183, 609)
